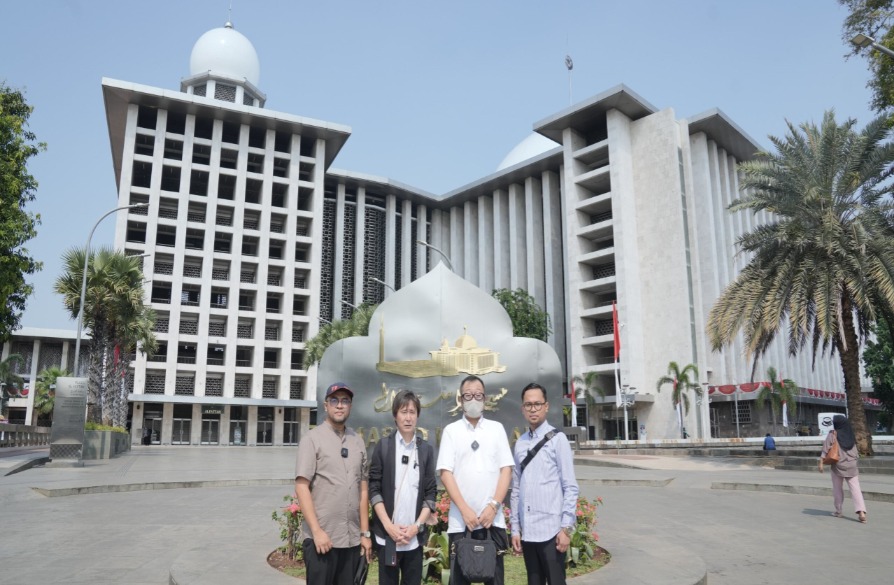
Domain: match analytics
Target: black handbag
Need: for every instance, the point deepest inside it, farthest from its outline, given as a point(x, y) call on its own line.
point(362, 570)
point(475, 559)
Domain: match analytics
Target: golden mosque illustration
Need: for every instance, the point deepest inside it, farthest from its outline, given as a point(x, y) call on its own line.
point(464, 357)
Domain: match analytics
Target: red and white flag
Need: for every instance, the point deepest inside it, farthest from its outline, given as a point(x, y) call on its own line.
point(573, 404)
point(617, 334)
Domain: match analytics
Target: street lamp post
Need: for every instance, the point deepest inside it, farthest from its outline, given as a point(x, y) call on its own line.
point(706, 418)
point(77, 357)
point(736, 396)
point(382, 282)
point(864, 41)
point(627, 399)
point(443, 255)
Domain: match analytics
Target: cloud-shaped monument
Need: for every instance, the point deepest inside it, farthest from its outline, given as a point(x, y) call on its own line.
point(427, 337)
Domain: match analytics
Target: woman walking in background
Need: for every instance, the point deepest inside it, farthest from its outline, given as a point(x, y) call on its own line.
point(846, 467)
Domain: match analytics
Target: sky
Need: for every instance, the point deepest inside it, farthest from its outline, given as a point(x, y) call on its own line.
point(436, 94)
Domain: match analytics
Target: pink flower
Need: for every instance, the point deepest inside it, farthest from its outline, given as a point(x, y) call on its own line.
point(294, 509)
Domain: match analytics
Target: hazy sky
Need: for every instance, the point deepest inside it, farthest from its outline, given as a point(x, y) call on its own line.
point(436, 93)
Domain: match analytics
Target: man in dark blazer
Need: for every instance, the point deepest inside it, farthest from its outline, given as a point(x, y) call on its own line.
point(402, 491)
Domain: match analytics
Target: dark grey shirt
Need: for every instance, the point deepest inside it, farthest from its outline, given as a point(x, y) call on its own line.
point(334, 482)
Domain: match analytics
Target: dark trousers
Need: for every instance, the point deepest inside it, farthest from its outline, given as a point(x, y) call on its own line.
point(498, 535)
point(543, 563)
point(336, 567)
point(408, 570)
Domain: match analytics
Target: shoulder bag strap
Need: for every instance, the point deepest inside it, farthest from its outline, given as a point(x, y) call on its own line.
point(536, 449)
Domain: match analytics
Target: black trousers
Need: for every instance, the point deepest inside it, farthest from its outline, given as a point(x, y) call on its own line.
point(500, 538)
point(543, 563)
point(408, 570)
point(336, 567)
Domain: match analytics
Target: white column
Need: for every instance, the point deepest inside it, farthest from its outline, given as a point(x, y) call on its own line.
point(518, 273)
point(486, 244)
point(360, 247)
point(470, 241)
point(534, 239)
point(406, 243)
point(501, 239)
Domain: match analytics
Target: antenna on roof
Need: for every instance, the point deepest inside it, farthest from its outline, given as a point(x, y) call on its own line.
point(570, 65)
point(229, 23)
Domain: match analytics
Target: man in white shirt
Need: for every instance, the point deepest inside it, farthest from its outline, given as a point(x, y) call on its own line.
point(475, 463)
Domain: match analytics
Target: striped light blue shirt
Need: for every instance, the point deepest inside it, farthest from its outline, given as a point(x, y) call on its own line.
point(544, 497)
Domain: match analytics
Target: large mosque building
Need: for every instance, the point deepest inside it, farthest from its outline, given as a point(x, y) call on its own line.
point(253, 238)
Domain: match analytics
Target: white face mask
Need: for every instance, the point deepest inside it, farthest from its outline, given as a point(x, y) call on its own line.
point(473, 408)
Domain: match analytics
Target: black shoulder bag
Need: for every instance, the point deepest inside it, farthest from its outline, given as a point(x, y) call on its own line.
point(477, 559)
point(536, 449)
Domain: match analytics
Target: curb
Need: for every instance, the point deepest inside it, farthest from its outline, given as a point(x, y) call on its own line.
point(796, 489)
point(159, 485)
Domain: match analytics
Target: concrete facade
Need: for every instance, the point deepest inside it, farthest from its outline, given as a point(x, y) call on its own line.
point(253, 238)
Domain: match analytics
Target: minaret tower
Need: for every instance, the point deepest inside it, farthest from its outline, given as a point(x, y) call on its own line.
point(224, 65)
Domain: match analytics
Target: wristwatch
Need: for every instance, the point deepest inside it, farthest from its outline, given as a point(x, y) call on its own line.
point(419, 527)
point(365, 534)
point(568, 530)
point(494, 503)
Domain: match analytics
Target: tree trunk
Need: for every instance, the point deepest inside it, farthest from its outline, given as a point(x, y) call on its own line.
point(850, 365)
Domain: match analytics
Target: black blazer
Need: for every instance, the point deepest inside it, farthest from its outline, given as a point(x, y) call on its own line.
point(382, 484)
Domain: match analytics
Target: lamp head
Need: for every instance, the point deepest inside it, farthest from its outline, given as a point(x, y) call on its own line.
point(862, 40)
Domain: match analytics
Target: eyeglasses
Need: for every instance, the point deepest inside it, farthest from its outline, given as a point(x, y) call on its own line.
point(468, 397)
point(533, 406)
point(336, 401)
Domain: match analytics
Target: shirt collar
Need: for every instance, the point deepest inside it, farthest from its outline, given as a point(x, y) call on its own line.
point(469, 425)
point(402, 443)
point(540, 431)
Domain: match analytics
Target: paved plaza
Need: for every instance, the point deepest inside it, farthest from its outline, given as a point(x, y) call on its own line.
point(201, 515)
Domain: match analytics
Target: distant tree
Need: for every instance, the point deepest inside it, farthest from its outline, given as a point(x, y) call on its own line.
point(873, 18)
point(17, 225)
point(45, 391)
point(778, 392)
point(528, 319)
point(9, 379)
point(878, 358)
point(682, 380)
point(119, 324)
point(329, 333)
point(588, 386)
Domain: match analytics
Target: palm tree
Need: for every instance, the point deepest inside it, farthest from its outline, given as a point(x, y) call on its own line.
point(329, 333)
point(823, 265)
point(45, 392)
point(779, 392)
point(682, 381)
point(118, 320)
point(588, 384)
point(9, 378)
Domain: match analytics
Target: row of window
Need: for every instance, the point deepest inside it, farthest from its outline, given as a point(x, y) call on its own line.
point(191, 296)
point(216, 355)
point(221, 386)
point(197, 212)
point(230, 132)
point(217, 327)
point(194, 239)
point(229, 187)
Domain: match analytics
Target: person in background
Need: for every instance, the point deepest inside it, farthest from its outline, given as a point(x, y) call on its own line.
point(846, 468)
point(769, 443)
point(331, 486)
point(544, 493)
point(476, 468)
point(402, 492)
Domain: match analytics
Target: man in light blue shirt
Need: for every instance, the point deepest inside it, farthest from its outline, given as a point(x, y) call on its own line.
point(544, 494)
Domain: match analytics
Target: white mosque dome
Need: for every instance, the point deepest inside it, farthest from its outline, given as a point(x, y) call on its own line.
point(225, 52)
point(528, 148)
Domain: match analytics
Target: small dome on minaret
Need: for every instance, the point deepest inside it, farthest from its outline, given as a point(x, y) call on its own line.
point(225, 52)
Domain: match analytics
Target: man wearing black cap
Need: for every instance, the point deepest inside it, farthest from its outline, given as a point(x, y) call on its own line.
point(331, 476)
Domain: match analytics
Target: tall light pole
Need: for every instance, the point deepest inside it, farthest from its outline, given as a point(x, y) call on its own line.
point(736, 395)
point(84, 280)
point(628, 398)
point(864, 41)
point(443, 255)
point(382, 282)
point(706, 432)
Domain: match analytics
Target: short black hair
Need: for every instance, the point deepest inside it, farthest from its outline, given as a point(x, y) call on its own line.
point(403, 398)
point(533, 386)
point(468, 379)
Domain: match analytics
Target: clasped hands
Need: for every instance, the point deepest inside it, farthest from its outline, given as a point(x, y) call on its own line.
point(401, 534)
point(483, 520)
